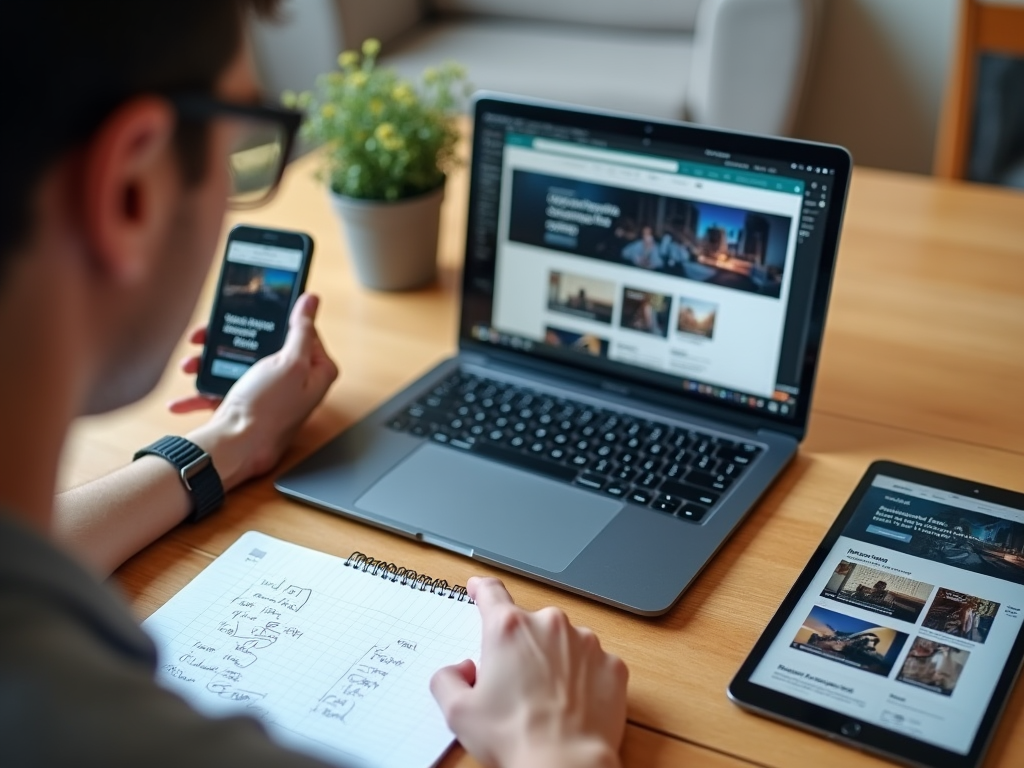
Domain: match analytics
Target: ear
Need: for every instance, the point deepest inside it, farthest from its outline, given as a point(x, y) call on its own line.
point(130, 181)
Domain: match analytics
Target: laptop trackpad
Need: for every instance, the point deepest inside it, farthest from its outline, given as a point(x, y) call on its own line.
point(483, 505)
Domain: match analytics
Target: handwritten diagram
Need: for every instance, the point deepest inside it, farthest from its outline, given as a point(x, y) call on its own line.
point(323, 653)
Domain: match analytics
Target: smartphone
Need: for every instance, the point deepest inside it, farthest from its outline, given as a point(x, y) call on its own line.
point(263, 274)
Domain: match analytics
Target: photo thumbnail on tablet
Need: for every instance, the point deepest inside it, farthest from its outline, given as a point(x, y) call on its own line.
point(850, 641)
point(933, 666)
point(879, 591)
point(960, 615)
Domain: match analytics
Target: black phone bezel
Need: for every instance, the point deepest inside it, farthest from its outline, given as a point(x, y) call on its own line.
point(216, 386)
point(834, 725)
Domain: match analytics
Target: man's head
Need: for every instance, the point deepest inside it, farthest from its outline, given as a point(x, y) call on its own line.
point(103, 182)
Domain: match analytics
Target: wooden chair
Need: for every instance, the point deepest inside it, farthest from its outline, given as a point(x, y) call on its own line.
point(986, 26)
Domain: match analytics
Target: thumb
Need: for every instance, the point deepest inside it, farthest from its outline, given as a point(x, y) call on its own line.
point(449, 684)
point(301, 329)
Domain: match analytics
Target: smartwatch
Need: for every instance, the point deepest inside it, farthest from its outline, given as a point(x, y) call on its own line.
point(196, 470)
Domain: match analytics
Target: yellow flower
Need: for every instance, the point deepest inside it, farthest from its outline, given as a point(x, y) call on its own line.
point(393, 144)
point(371, 47)
point(335, 78)
point(429, 75)
point(289, 99)
point(348, 59)
point(358, 79)
point(403, 94)
point(376, 107)
point(384, 133)
point(328, 111)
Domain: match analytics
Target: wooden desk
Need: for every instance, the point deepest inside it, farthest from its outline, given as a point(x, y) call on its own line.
point(921, 360)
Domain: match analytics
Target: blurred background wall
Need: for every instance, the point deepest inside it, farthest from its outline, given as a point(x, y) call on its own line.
point(877, 79)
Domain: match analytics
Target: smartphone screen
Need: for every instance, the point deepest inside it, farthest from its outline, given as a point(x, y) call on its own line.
point(263, 273)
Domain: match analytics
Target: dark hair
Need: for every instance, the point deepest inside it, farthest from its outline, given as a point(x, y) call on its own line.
point(68, 64)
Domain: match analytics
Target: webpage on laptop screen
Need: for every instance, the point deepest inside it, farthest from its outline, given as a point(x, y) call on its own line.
point(910, 620)
point(642, 261)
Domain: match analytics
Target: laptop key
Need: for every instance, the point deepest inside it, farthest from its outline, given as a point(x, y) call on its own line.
point(590, 480)
point(667, 503)
point(691, 512)
point(616, 489)
point(690, 493)
point(650, 480)
point(675, 470)
point(641, 497)
point(708, 480)
point(626, 474)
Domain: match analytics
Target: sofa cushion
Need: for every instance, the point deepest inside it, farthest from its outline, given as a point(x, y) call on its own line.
point(642, 72)
point(670, 15)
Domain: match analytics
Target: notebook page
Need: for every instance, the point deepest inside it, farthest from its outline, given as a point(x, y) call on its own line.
point(336, 662)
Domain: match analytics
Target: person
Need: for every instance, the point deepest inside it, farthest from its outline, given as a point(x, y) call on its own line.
point(878, 594)
point(644, 252)
point(121, 119)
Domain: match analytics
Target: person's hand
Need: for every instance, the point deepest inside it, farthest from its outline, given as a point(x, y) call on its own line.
point(254, 424)
point(543, 694)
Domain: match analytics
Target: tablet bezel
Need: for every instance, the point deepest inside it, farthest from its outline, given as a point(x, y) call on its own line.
point(847, 729)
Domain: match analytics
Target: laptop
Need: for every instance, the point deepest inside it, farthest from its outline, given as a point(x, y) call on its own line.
point(642, 310)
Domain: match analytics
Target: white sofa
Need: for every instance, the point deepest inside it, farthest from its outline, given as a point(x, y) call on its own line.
point(732, 63)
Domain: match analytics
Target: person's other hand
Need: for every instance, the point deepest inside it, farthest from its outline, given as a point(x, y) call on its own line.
point(254, 424)
point(543, 694)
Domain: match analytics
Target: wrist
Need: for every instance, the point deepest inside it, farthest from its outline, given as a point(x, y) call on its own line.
point(226, 439)
point(583, 753)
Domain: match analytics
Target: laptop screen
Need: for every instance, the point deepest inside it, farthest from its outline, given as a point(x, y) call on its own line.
point(683, 258)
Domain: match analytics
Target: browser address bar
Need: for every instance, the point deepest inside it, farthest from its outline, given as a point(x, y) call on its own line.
point(605, 155)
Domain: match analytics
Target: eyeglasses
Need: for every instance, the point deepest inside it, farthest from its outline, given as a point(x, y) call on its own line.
point(258, 156)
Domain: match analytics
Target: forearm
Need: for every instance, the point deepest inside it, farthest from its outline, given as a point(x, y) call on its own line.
point(106, 521)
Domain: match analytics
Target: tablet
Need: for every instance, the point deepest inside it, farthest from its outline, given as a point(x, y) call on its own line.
point(903, 634)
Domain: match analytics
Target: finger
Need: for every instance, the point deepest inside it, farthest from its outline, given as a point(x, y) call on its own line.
point(198, 335)
point(488, 593)
point(193, 403)
point(450, 684)
point(301, 329)
point(190, 364)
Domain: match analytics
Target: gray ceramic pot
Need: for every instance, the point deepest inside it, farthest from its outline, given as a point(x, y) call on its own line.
point(392, 245)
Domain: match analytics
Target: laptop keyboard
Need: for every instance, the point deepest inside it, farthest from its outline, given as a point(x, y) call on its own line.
point(678, 471)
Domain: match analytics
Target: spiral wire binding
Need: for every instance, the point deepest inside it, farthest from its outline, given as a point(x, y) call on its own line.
point(407, 577)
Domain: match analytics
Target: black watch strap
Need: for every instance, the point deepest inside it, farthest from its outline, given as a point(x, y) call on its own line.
point(195, 467)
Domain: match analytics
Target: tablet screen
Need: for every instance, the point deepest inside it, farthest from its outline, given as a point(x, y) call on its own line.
point(910, 620)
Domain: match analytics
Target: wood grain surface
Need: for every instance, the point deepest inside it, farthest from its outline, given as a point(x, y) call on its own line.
point(922, 364)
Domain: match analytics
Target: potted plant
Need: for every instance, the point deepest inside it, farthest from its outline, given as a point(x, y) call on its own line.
point(388, 144)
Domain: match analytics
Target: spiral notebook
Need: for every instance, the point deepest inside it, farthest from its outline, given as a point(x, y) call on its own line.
point(333, 655)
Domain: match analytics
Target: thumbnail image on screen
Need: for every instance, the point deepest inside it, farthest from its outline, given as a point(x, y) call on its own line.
point(933, 666)
point(584, 297)
point(696, 317)
point(960, 615)
point(587, 343)
point(850, 641)
point(645, 311)
point(884, 592)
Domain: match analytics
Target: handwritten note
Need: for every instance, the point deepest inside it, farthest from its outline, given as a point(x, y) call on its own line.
point(334, 660)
